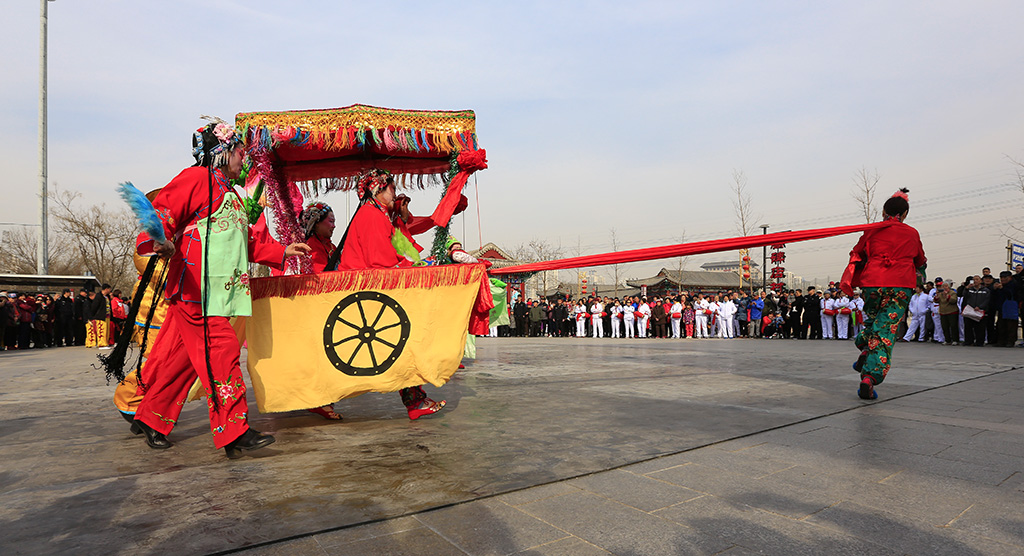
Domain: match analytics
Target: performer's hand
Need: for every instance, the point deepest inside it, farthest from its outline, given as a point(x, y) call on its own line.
point(463, 203)
point(403, 209)
point(164, 249)
point(297, 249)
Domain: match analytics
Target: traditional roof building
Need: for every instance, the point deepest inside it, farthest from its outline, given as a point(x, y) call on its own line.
point(726, 266)
point(498, 257)
point(672, 281)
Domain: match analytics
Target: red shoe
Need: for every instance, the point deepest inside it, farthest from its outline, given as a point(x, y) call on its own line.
point(426, 408)
point(461, 366)
point(327, 412)
point(866, 391)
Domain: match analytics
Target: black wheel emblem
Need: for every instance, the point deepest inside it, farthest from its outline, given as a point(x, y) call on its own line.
point(365, 333)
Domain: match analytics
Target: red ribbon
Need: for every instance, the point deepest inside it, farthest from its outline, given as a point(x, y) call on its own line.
point(469, 161)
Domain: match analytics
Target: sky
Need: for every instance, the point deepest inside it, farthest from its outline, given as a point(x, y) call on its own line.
point(596, 116)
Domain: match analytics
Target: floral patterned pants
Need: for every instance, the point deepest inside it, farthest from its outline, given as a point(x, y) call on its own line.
point(883, 309)
point(178, 357)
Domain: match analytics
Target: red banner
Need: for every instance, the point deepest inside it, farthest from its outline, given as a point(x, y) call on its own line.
point(684, 249)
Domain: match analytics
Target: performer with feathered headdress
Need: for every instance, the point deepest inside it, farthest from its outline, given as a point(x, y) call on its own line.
point(209, 244)
point(886, 264)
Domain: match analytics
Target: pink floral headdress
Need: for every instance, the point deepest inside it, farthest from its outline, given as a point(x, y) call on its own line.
point(226, 140)
point(373, 182)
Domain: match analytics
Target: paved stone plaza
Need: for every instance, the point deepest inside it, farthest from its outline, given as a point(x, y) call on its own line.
point(548, 446)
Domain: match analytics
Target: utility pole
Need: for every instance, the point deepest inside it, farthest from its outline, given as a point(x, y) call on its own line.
point(764, 259)
point(42, 262)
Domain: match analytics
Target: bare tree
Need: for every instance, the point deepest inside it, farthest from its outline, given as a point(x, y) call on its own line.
point(864, 185)
point(18, 250)
point(535, 251)
point(746, 219)
point(1014, 230)
point(18, 253)
point(615, 267)
point(1018, 171)
point(101, 238)
point(681, 261)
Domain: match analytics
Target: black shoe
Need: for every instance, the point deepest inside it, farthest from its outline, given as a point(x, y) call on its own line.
point(154, 439)
point(136, 429)
point(250, 440)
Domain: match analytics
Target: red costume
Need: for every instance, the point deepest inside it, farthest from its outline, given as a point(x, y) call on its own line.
point(179, 354)
point(321, 251)
point(368, 244)
point(891, 255)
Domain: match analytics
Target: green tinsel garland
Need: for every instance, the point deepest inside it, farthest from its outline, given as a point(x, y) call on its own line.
point(440, 248)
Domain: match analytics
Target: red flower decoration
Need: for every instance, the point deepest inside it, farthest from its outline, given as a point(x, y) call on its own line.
point(472, 160)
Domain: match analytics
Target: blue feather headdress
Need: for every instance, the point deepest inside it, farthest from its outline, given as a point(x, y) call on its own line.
point(143, 210)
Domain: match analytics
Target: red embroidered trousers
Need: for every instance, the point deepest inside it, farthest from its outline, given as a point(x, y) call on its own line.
point(178, 357)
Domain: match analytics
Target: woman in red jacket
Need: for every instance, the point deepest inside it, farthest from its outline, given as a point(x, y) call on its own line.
point(209, 246)
point(368, 244)
point(318, 223)
point(886, 264)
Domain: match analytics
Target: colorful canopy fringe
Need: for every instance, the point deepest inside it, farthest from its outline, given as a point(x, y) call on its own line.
point(306, 152)
point(684, 249)
point(359, 127)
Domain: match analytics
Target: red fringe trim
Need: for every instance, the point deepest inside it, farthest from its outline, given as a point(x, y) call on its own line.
point(369, 279)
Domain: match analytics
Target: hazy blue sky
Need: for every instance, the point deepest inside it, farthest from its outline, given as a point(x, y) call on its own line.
point(595, 115)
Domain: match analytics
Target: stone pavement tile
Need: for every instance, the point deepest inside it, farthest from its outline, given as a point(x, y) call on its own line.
point(826, 443)
point(912, 404)
point(1012, 399)
point(638, 491)
point(1015, 419)
point(764, 532)
point(904, 440)
point(966, 491)
point(657, 464)
point(842, 467)
point(541, 492)
point(750, 463)
point(824, 480)
point(745, 442)
point(299, 547)
point(903, 534)
point(368, 531)
point(569, 546)
point(765, 493)
point(622, 530)
point(1000, 519)
point(702, 478)
point(998, 442)
point(406, 543)
point(963, 393)
point(930, 464)
point(915, 498)
point(975, 454)
point(986, 414)
point(932, 426)
point(489, 527)
point(1014, 482)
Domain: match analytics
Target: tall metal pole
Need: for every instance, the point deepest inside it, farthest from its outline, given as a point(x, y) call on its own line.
point(42, 266)
point(764, 259)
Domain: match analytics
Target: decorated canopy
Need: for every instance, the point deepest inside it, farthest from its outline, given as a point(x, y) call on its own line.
point(324, 148)
point(298, 152)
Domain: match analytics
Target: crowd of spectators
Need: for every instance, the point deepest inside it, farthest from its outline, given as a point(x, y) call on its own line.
point(43, 320)
point(937, 313)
